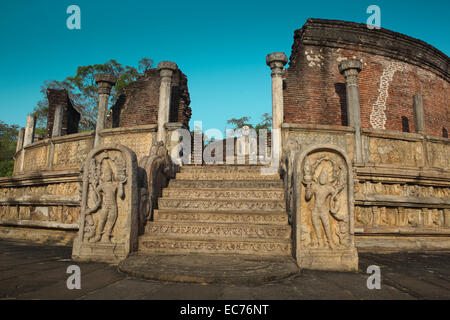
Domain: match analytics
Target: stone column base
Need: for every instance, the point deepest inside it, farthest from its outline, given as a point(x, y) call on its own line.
point(328, 259)
point(100, 252)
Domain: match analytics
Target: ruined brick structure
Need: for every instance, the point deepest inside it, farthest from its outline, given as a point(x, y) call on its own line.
point(70, 115)
point(395, 67)
point(387, 163)
point(138, 105)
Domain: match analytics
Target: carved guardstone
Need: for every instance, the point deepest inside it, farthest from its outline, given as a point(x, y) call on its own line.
point(323, 218)
point(109, 206)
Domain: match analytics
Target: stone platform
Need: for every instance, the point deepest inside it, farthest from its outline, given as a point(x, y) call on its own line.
point(200, 268)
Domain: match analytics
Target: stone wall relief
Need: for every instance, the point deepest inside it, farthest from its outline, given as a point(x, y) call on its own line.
point(107, 176)
point(109, 207)
point(325, 190)
point(439, 155)
point(390, 151)
point(411, 218)
point(63, 214)
point(57, 189)
point(323, 201)
point(397, 189)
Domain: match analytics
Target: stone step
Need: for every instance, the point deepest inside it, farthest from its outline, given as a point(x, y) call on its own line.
point(148, 245)
point(249, 194)
point(266, 218)
point(216, 231)
point(226, 184)
point(221, 205)
point(204, 175)
point(222, 168)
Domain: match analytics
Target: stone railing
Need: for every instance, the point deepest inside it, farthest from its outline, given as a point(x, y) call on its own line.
point(402, 185)
point(44, 191)
point(68, 152)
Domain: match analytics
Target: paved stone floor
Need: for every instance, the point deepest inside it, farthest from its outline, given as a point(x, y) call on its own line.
point(30, 271)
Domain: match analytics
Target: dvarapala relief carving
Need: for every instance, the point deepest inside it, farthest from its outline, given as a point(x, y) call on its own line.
point(107, 186)
point(323, 210)
point(108, 225)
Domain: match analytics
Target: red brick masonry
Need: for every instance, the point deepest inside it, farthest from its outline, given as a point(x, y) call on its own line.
point(395, 67)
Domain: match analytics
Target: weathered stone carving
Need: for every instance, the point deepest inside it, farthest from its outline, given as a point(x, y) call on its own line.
point(323, 215)
point(35, 158)
point(138, 142)
point(439, 154)
point(70, 154)
point(246, 218)
point(157, 170)
point(62, 213)
point(62, 189)
point(397, 189)
point(109, 221)
point(225, 194)
point(409, 218)
point(106, 192)
point(224, 246)
point(220, 230)
point(287, 170)
point(389, 151)
point(222, 205)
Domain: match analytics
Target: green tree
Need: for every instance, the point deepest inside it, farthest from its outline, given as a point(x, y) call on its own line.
point(83, 89)
point(240, 122)
point(8, 141)
point(265, 123)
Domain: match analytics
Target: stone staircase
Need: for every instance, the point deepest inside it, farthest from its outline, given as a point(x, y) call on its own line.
point(220, 209)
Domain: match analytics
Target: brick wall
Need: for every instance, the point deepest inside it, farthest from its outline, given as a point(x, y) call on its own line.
point(71, 117)
point(395, 67)
point(138, 105)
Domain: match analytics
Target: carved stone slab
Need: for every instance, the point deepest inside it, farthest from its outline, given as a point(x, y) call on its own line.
point(109, 205)
point(323, 218)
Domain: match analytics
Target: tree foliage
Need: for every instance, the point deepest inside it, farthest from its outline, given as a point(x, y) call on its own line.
point(83, 89)
point(265, 123)
point(8, 142)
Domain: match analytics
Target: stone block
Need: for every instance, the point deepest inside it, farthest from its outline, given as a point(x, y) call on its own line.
point(323, 218)
point(109, 206)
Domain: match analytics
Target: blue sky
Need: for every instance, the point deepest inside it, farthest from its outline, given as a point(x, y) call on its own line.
point(220, 45)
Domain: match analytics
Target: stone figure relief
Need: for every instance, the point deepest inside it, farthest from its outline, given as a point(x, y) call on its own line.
point(323, 219)
point(389, 151)
point(372, 216)
point(107, 185)
point(109, 205)
point(328, 204)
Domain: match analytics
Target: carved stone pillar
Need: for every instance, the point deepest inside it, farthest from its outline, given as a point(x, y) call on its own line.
point(20, 137)
point(276, 61)
point(105, 82)
point(419, 118)
point(350, 70)
point(57, 122)
point(29, 130)
point(166, 70)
